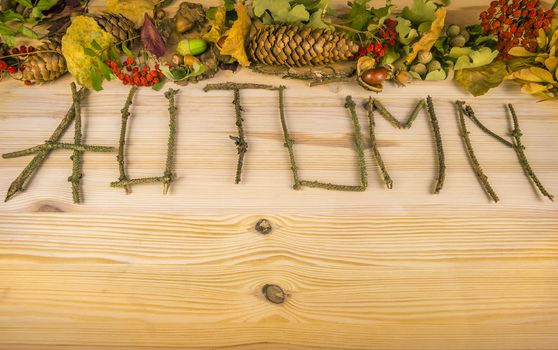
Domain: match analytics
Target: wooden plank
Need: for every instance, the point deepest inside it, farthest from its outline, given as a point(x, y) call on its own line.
point(388, 269)
point(179, 306)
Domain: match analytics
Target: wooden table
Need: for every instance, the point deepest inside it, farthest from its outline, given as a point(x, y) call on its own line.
point(384, 269)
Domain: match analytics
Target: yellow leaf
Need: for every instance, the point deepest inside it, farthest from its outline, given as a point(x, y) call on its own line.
point(429, 39)
point(543, 74)
point(541, 39)
point(134, 10)
point(525, 75)
point(235, 45)
point(519, 51)
point(78, 37)
point(551, 63)
point(533, 88)
point(216, 31)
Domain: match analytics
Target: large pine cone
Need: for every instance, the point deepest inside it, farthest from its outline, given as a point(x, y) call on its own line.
point(46, 66)
point(119, 26)
point(293, 45)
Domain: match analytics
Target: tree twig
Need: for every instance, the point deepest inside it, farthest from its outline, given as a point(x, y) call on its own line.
point(169, 175)
point(122, 141)
point(77, 156)
point(519, 150)
point(477, 169)
point(289, 142)
point(374, 145)
point(439, 145)
point(48, 146)
point(469, 112)
point(26, 175)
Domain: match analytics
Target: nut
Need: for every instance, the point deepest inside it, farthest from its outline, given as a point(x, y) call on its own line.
point(182, 25)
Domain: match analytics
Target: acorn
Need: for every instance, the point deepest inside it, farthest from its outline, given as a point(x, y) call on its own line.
point(375, 76)
point(466, 35)
point(191, 47)
point(190, 60)
point(403, 78)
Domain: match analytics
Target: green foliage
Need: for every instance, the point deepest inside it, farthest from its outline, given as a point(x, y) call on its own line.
point(14, 25)
point(306, 12)
point(475, 59)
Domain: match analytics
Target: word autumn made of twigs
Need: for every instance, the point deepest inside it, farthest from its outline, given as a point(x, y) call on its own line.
point(372, 105)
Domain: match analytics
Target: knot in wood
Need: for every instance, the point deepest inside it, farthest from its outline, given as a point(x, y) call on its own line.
point(264, 227)
point(274, 294)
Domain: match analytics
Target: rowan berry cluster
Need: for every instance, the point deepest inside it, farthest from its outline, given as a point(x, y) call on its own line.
point(9, 61)
point(387, 39)
point(515, 23)
point(132, 73)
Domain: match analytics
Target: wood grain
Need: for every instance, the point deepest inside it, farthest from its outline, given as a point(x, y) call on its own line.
point(384, 269)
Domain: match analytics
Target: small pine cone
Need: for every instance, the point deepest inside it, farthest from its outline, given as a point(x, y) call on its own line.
point(119, 26)
point(46, 66)
point(293, 45)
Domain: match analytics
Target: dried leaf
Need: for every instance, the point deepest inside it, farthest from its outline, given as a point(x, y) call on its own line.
point(152, 40)
point(429, 39)
point(134, 10)
point(235, 45)
point(218, 26)
point(478, 81)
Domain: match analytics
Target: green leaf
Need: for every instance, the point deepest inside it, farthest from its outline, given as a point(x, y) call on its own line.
point(317, 21)
point(127, 51)
point(44, 5)
point(159, 85)
point(95, 79)
point(420, 11)
point(89, 52)
point(95, 45)
point(478, 81)
point(27, 32)
point(281, 11)
point(407, 34)
point(555, 4)
point(10, 15)
point(105, 70)
point(476, 59)
point(10, 40)
point(439, 74)
point(26, 3)
point(5, 30)
point(359, 16)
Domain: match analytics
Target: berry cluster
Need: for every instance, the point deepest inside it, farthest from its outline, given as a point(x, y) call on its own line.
point(388, 35)
point(515, 23)
point(132, 73)
point(9, 62)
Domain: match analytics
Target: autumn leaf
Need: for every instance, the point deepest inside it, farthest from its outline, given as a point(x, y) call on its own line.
point(429, 39)
point(218, 26)
point(151, 38)
point(478, 81)
point(235, 45)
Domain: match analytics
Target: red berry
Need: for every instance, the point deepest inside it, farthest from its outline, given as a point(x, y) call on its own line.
point(30, 48)
point(12, 69)
point(3, 65)
point(15, 51)
point(129, 60)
